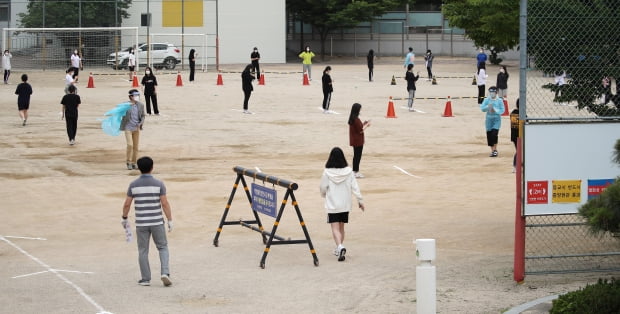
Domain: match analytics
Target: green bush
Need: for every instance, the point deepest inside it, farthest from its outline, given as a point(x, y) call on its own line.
point(600, 298)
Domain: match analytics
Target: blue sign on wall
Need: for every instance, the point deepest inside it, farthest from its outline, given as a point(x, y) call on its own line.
point(264, 200)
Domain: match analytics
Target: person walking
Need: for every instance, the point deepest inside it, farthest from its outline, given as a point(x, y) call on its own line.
point(481, 58)
point(23, 92)
point(131, 64)
point(356, 137)
point(481, 81)
point(337, 184)
point(70, 103)
point(254, 58)
point(411, 79)
point(502, 82)
point(306, 62)
point(514, 132)
point(192, 64)
point(409, 58)
point(69, 80)
point(246, 85)
point(6, 65)
point(150, 199)
point(149, 87)
point(370, 61)
point(328, 88)
point(494, 108)
point(131, 124)
point(429, 64)
point(76, 63)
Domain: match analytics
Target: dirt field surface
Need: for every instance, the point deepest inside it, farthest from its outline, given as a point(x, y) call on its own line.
point(63, 249)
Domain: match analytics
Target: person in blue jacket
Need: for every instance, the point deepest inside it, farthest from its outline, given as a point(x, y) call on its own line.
point(494, 107)
point(481, 58)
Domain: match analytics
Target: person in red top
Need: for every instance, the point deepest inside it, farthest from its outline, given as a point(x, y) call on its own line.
point(356, 137)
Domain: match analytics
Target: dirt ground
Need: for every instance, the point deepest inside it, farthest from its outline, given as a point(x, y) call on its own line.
point(68, 199)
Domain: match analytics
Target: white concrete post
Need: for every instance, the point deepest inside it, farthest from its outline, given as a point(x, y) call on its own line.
point(426, 286)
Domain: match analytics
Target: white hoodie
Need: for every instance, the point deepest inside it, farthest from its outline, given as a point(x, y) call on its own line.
point(336, 187)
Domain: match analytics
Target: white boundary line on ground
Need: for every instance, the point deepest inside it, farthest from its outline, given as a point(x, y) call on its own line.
point(528, 305)
point(27, 238)
point(58, 270)
point(405, 172)
point(100, 309)
point(257, 169)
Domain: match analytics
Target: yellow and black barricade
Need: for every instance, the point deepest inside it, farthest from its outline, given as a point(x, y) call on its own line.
point(269, 238)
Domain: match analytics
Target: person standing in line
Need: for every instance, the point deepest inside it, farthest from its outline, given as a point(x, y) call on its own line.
point(69, 80)
point(429, 64)
point(246, 85)
point(481, 81)
point(255, 58)
point(494, 108)
point(149, 87)
point(370, 60)
point(192, 64)
point(6, 65)
point(328, 88)
point(306, 57)
point(131, 64)
point(411, 79)
point(132, 124)
point(514, 132)
point(606, 89)
point(409, 58)
point(481, 58)
point(23, 92)
point(560, 80)
point(149, 196)
point(337, 184)
point(502, 82)
point(356, 137)
point(70, 104)
point(76, 63)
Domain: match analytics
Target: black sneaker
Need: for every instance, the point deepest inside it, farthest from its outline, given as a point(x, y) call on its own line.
point(134, 166)
point(143, 282)
point(341, 254)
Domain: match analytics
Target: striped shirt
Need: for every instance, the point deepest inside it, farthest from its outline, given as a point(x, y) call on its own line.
point(146, 192)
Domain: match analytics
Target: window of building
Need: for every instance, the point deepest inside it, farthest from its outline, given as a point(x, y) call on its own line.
point(4, 11)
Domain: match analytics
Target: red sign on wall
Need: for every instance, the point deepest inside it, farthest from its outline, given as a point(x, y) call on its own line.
point(537, 192)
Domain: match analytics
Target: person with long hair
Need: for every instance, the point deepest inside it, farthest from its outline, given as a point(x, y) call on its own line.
point(370, 60)
point(502, 82)
point(246, 85)
point(481, 81)
point(149, 87)
point(337, 184)
point(328, 88)
point(356, 137)
point(192, 64)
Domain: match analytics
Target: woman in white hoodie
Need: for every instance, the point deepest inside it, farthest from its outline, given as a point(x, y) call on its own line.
point(337, 184)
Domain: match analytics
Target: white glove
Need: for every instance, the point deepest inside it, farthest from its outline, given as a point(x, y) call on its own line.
point(170, 225)
point(125, 223)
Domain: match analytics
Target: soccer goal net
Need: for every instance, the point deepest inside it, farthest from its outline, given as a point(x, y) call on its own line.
point(185, 43)
point(51, 48)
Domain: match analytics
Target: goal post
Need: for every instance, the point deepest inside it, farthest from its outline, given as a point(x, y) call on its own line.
point(185, 42)
point(51, 48)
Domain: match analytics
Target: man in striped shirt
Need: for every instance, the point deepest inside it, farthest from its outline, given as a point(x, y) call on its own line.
point(149, 197)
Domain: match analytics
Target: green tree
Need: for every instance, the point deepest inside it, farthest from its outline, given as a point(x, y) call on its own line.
point(492, 24)
point(581, 37)
point(57, 14)
point(328, 15)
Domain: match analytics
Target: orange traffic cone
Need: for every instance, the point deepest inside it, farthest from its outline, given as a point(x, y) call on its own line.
point(91, 81)
point(179, 80)
point(506, 113)
point(390, 109)
point(135, 80)
point(219, 79)
point(447, 112)
point(306, 82)
point(261, 79)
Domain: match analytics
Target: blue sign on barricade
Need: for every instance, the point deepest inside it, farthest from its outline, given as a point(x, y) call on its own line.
point(264, 200)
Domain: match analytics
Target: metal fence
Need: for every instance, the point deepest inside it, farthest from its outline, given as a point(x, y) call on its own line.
point(570, 73)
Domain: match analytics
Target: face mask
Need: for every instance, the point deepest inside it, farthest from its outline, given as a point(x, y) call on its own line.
point(255, 50)
point(501, 70)
point(75, 52)
point(147, 72)
point(492, 94)
point(307, 49)
point(136, 98)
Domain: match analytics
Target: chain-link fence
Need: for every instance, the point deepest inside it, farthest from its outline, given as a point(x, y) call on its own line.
point(572, 75)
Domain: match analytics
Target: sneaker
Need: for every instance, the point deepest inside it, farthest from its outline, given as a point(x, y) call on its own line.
point(359, 175)
point(247, 112)
point(514, 169)
point(411, 110)
point(341, 252)
point(166, 280)
point(143, 282)
point(24, 122)
point(128, 166)
point(71, 142)
point(134, 166)
point(336, 251)
point(494, 154)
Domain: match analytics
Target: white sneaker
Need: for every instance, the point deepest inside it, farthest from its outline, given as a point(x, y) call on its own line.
point(166, 280)
point(336, 251)
point(341, 252)
point(359, 175)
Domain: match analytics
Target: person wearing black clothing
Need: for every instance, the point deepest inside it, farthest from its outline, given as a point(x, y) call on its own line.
point(429, 63)
point(255, 56)
point(411, 79)
point(246, 85)
point(149, 83)
point(23, 92)
point(370, 60)
point(514, 132)
point(192, 64)
point(70, 103)
point(328, 88)
point(502, 82)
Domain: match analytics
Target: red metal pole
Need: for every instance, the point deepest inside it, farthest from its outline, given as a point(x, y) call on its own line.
point(519, 257)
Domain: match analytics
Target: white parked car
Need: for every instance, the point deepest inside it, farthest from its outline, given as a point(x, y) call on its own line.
point(164, 55)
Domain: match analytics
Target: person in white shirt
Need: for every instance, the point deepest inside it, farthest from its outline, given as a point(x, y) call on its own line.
point(6, 65)
point(69, 80)
point(560, 80)
point(76, 63)
point(481, 80)
point(131, 64)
